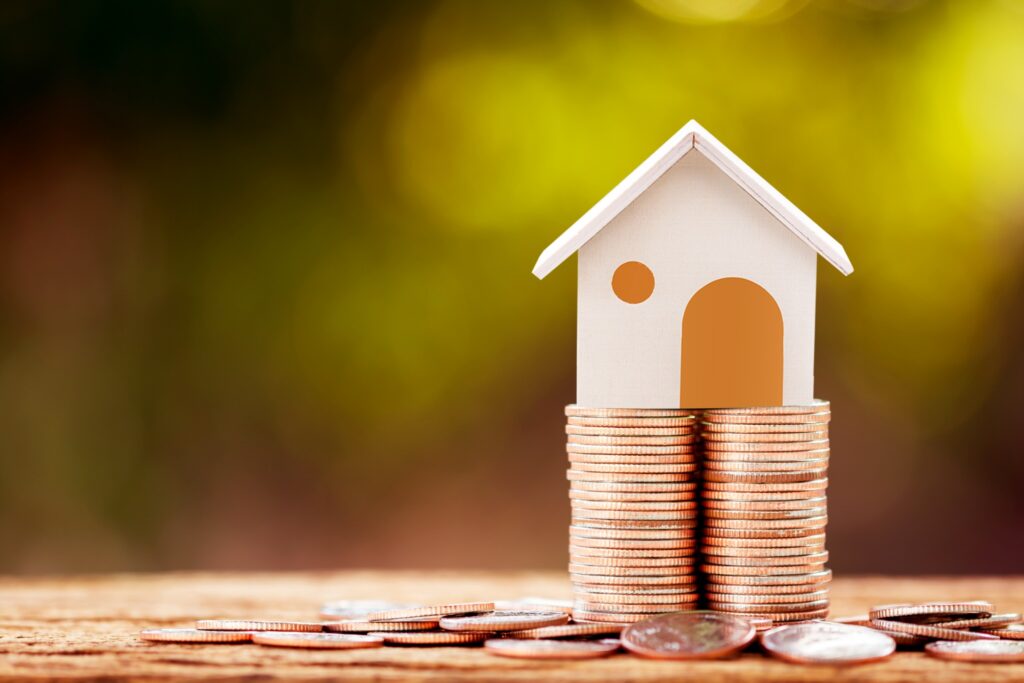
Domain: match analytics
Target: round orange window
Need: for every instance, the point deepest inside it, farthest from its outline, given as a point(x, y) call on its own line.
point(633, 282)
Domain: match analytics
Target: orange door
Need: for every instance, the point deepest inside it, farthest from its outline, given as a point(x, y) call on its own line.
point(731, 347)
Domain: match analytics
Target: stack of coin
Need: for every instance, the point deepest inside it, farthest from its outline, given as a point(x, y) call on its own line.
point(764, 509)
point(633, 481)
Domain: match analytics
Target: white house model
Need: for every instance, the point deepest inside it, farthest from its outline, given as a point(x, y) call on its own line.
point(696, 285)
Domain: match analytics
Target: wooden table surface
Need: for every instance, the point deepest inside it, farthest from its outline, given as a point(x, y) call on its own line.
point(85, 628)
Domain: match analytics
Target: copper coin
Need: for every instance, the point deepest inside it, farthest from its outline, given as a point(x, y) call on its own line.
point(761, 456)
point(609, 546)
point(751, 533)
point(688, 587)
point(763, 592)
point(743, 428)
point(257, 625)
point(779, 437)
point(573, 410)
point(675, 468)
point(688, 635)
point(631, 497)
point(591, 449)
point(638, 506)
point(998, 651)
point(761, 599)
point(767, 487)
point(784, 570)
point(680, 520)
point(642, 441)
point(808, 418)
point(194, 635)
point(585, 514)
point(430, 611)
point(933, 612)
point(537, 604)
point(506, 620)
point(549, 649)
point(321, 641)
point(363, 626)
point(622, 582)
point(764, 477)
point(771, 506)
point(792, 617)
point(622, 619)
point(566, 631)
point(716, 496)
point(776, 608)
point(358, 609)
point(631, 553)
point(609, 569)
point(929, 630)
point(765, 466)
point(677, 598)
point(722, 554)
point(801, 523)
point(634, 608)
point(631, 432)
point(576, 474)
point(626, 487)
point(727, 447)
point(716, 544)
point(827, 643)
point(815, 406)
point(820, 576)
point(995, 621)
point(602, 459)
point(809, 558)
point(637, 562)
point(740, 515)
point(1011, 632)
point(854, 620)
point(438, 638)
point(631, 421)
point(581, 531)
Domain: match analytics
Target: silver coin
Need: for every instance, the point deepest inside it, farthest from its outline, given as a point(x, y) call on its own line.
point(823, 642)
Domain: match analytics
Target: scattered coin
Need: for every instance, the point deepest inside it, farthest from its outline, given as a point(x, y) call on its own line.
point(536, 604)
point(929, 630)
point(430, 611)
point(257, 625)
point(549, 649)
point(688, 635)
point(358, 609)
point(321, 641)
point(978, 651)
point(1012, 632)
point(363, 626)
point(566, 631)
point(995, 621)
point(432, 637)
point(933, 612)
point(193, 635)
point(507, 620)
point(827, 643)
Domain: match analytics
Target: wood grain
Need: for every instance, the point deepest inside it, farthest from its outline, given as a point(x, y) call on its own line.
point(84, 629)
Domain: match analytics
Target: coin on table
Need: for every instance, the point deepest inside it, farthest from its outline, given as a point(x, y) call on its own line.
point(621, 618)
point(430, 611)
point(428, 638)
point(549, 649)
point(257, 625)
point(194, 635)
point(566, 631)
point(929, 630)
point(535, 604)
point(823, 642)
point(358, 609)
point(363, 626)
point(996, 621)
point(320, 641)
point(688, 635)
point(978, 651)
point(1012, 632)
point(505, 620)
point(933, 612)
point(574, 410)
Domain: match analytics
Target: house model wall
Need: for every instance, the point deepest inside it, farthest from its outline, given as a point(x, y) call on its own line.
point(696, 285)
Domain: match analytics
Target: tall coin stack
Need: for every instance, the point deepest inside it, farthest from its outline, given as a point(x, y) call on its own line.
point(633, 488)
point(764, 506)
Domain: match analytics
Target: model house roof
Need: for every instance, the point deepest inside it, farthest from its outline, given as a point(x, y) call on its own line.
point(691, 137)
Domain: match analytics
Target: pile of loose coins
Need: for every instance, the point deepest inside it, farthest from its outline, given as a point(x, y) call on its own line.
point(534, 628)
point(632, 484)
point(764, 511)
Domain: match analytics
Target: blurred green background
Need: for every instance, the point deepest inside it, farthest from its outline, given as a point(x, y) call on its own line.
point(265, 290)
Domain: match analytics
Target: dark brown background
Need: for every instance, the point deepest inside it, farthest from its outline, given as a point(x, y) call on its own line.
point(265, 291)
